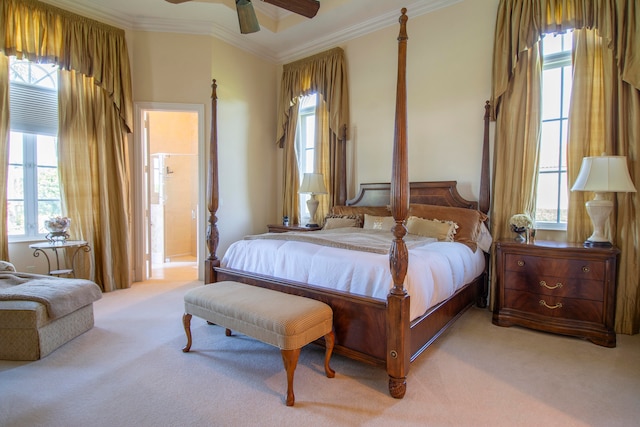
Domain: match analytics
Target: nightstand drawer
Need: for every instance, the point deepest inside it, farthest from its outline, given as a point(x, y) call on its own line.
point(543, 284)
point(556, 267)
point(550, 306)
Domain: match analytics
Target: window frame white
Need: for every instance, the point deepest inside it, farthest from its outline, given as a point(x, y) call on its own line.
point(34, 113)
point(557, 60)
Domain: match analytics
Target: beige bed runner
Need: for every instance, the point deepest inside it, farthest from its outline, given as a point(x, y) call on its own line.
point(357, 239)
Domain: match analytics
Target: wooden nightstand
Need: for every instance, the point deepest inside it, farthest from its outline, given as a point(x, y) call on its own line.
point(279, 228)
point(556, 287)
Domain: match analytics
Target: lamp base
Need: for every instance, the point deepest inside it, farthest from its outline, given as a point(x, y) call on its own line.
point(592, 244)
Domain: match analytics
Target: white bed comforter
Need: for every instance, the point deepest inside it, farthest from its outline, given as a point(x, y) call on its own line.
point(436, 269)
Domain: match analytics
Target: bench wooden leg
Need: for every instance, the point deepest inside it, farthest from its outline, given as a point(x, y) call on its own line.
point(329, 341)
point(186, 322)
point(290, 360)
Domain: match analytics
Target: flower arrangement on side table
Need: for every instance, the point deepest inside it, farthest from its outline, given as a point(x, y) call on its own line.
point(520, 223)
point(57, 228)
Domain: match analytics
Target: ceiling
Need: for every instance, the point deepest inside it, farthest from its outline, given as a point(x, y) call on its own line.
point(283, 37)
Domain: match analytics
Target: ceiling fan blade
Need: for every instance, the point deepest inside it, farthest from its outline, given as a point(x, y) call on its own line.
point(177, 1)
point(307, 8)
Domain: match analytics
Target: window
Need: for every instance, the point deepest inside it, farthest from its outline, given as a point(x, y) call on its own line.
point(33, 191)
point(552, 192)
point(305, 144)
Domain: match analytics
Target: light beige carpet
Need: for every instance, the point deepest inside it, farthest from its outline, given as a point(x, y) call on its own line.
point(130, 371)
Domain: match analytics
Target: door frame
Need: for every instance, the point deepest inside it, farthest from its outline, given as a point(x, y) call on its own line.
point(141, 169)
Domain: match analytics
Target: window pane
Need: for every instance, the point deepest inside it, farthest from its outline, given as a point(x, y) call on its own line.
point(551, 93)
point(547, 198)
point(549, 146)
point(47, 151)
point(48, 187)
point(308, 162)
point(45, 211)
point(15, 218)
point(310, 130)
point(16, 151)
point(551, 44)
point(556, 43)
point(15, 183)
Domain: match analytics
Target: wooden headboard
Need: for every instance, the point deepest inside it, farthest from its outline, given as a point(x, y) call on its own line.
point(442, 193)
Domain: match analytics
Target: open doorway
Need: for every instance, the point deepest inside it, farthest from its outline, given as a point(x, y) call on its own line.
point(168, 191)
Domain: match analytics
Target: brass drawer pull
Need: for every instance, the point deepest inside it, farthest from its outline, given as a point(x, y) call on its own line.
point(586, 269)
point(558, 305)
point(520, 263)
point(556, 286)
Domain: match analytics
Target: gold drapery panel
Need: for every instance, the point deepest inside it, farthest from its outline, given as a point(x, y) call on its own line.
point(325, 74)
point(519, 25)
point(290, 205)
point(516, 165)
point(96, 135)
point(4, 149)
point(92, 146)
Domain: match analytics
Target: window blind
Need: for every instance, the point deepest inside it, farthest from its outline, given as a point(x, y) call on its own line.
point(33, 109)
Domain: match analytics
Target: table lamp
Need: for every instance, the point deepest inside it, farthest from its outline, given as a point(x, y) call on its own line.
point(312, 183)
point(602, 174)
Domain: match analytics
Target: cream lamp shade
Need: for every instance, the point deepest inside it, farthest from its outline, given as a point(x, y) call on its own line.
point(312, 183)
point(602, 174)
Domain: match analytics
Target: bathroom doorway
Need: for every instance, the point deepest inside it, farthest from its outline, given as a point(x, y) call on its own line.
point(170, 137)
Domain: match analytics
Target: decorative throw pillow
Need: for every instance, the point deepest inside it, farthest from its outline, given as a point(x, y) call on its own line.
point(341, 221)
point(7, 266)
point(444, 231)
point(373, 222)
point(484, 238)
point(469, 220)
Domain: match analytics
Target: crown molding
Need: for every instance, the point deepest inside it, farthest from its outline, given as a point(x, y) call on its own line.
point(207, 27)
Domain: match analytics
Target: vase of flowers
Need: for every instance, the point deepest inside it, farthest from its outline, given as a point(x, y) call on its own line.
point(520, 223)
point(57, 228)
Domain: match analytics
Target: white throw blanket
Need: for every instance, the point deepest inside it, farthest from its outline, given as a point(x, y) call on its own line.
point(60, 296)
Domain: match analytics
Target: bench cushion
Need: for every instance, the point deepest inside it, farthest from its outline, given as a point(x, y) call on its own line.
point(282, 320)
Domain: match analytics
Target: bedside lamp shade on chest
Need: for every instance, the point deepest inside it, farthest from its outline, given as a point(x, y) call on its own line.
point(602, 174)
point(312, 183)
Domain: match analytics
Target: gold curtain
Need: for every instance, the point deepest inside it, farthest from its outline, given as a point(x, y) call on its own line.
point(519, 25)
point(586, 136)
point(93, 147)
point(4, 149)
point(291, 207)
point(325, 74)
point(44, 33)
point(516, 147)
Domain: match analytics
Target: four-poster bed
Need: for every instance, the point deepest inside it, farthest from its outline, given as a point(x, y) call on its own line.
point(379, 330)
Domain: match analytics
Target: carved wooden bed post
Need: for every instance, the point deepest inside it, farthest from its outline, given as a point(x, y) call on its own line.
point(398, 331)
point(213, 236)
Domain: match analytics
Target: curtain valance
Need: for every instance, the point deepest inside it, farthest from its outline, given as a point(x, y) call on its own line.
point(520, 23)
point(324, 73)
point(44, 33)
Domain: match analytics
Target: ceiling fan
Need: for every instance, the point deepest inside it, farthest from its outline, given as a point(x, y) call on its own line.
point(247, 16)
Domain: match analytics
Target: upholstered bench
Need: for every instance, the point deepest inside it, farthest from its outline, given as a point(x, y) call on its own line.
point(39, 313)
point(286, 321)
